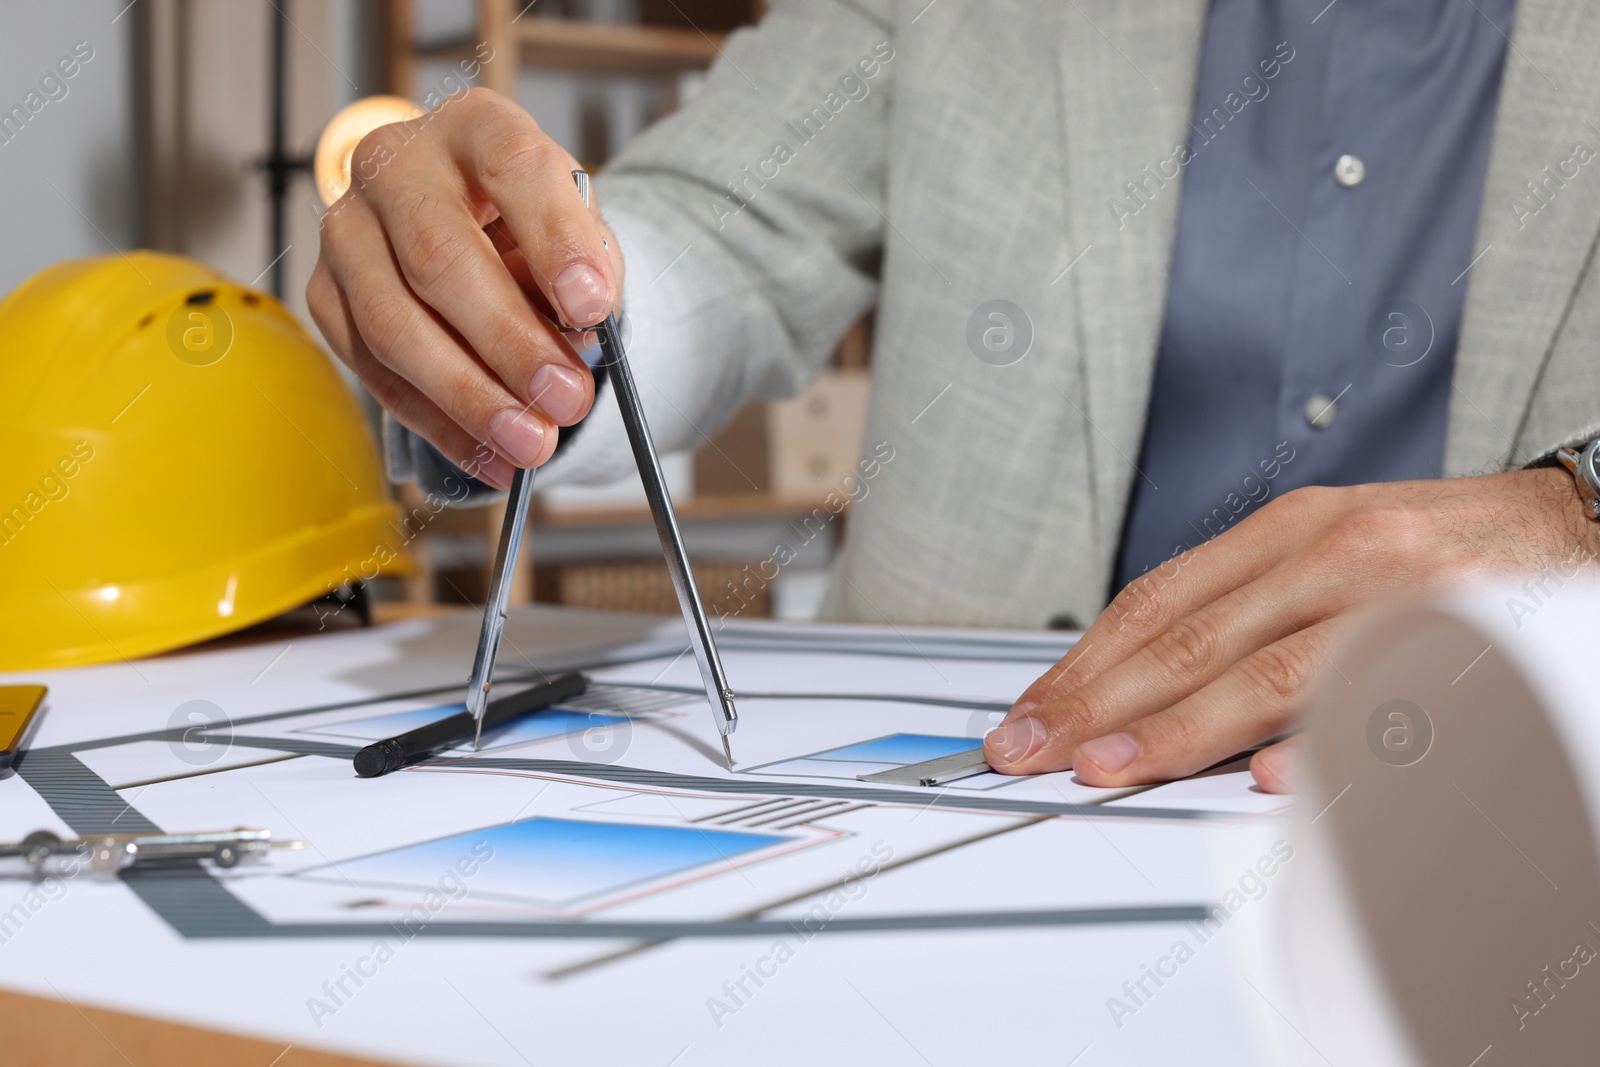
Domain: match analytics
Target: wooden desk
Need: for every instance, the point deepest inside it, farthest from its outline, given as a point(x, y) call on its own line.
point(53, 1033)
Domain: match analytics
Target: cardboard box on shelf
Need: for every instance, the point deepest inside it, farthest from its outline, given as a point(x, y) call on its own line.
point(736, 459)
point(815, 439)
point(727, 587)
point(796, 447)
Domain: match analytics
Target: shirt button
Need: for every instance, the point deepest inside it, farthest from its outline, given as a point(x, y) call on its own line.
point(1320, 412)
point(1349, 171)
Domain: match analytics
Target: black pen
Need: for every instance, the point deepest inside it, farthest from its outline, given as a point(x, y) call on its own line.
point(381, 757)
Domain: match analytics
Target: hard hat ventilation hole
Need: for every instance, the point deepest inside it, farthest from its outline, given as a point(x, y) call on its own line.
point(252, 299)
point(204, 296)
point(147, 320)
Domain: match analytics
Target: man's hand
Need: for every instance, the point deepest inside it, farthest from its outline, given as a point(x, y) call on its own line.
point(448, 272)
point(1212, 652)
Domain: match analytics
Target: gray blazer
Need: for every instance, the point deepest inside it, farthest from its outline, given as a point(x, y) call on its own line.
point(976, 163)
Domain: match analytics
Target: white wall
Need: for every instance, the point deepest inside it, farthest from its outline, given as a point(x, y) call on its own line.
point(84, 142)
point(67, 180)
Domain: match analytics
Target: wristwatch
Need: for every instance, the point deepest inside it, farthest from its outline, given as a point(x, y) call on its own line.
point(1584, 463)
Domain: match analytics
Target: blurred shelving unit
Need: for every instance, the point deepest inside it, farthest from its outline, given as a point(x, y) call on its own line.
point(521, 37)
point(775, 463)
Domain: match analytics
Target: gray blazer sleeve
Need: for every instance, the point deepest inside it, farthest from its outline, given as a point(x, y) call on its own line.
point(750, 223)
point(751, 227)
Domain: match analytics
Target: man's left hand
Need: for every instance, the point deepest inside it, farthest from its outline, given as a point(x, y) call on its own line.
point(1213, 652)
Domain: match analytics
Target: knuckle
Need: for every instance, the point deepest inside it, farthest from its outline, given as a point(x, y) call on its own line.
point(481, 101)
point(373, 154)
point(1073, 716)
point(1188, 648)
point(1179, 734)
point(1141, 603)
point(1408, 532)
point(1301, 503)
point(322, 298)
point(336, 222)
point(1379, 531)
point(384, 319)
point(477, 97)
point(406, 405)
point(1058, 678)
point(386, 390)
point(484, 108)
point(511, 338)
point(1279, 671)
point(433, 252)
point(520, 151)
point(1318, 496)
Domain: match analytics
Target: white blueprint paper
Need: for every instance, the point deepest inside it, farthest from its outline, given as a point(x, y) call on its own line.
point(499, 907)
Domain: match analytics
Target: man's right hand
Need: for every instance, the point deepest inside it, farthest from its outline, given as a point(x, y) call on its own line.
point(457, 275)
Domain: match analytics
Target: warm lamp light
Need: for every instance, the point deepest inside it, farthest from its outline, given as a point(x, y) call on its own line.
point(331, 165)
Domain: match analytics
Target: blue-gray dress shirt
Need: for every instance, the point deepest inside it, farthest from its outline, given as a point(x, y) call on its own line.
point(1330, 200)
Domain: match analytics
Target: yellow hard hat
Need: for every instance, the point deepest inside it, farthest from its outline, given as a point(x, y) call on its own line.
point(180, 460)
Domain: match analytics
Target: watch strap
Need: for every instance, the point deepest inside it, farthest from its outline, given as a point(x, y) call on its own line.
point(1583, 462)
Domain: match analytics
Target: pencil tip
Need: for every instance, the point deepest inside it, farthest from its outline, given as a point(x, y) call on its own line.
point(727, 751)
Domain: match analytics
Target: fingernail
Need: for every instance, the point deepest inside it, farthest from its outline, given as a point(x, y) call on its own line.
point(517, 434)
point(581, 294)
point(1111, 753)
point(559, 392)
point(1015, 739)
point(1020, 708)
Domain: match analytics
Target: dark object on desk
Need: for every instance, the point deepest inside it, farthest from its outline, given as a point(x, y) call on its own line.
point(43, 855)
point(19, 712)
point(381, 757)
point(706, 16)
point(939, 771)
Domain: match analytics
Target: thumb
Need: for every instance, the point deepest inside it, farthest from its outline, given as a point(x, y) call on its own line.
point(1274, 766)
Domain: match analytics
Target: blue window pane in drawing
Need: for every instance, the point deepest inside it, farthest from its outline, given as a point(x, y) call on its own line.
point(539, 726)
point(901, 749)
point(556, 862)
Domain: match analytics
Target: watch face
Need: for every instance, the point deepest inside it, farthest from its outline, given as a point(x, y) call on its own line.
point(1587, 464)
